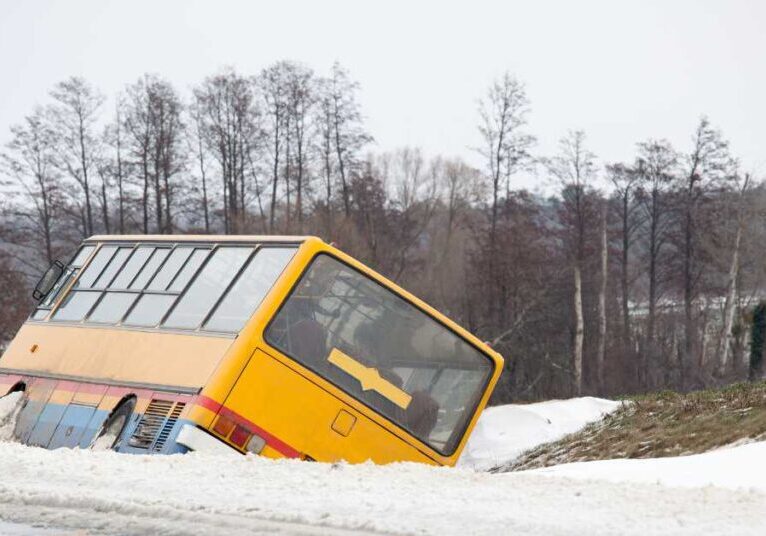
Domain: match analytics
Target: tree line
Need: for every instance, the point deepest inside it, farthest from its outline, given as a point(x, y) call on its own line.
point(624, 277)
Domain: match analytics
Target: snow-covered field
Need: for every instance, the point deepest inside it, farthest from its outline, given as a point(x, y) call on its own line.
point(71, 491)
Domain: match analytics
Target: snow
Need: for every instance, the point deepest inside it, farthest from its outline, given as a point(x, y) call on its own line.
point(505, 432)
point(76, 491)
point(109, 493)
point(743, 466)
point(9, 408)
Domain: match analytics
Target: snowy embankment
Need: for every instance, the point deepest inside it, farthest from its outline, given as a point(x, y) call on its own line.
point(109, 493)
point(505, 432)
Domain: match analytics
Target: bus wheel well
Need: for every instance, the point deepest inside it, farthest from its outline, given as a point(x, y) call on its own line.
point(18, 386)
point(127, 399)
point(114, 425)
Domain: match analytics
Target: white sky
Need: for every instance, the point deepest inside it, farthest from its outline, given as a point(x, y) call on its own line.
point(622, 71)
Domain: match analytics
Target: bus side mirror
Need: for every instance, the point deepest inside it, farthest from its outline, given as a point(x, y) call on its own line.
point(47, 281)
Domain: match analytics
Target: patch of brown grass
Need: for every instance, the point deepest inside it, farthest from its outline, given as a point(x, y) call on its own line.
point(661, 424)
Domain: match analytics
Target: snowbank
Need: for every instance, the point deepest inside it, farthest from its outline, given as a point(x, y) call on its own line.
point(505, 432)
point(743, 466)
point(9, 409)
point(109, 493)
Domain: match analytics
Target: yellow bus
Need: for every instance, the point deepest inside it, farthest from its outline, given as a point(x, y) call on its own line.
point(280, 346)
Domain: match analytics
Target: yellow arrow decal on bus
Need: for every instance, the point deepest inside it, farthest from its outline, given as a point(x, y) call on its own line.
point(369, 378)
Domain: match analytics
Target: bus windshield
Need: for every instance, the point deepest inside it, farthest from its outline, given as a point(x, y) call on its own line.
point(383, 351)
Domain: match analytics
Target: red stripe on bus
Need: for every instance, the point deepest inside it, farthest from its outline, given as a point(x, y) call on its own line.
point(271, 440)
point(67, 385)
point(9, 380)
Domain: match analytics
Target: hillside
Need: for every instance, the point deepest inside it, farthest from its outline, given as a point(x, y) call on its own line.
point(660, 425)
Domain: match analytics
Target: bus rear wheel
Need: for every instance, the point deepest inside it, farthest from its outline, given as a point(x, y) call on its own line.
point(113, 427)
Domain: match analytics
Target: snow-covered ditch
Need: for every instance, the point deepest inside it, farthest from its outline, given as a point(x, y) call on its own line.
point(109, 493)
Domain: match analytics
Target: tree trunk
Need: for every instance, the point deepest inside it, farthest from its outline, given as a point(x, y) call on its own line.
point(624, 273)
point(158, 198)
point(105, 206)
point(145, 196)
point(600, 356)
point(688, 294)
point(85, 185)
point(579, 330)
point(275, 179)
point(730, 307)
point(328, 190)
point(205, 209)
point(341, 164)
point(731, 289)
point(120, 186)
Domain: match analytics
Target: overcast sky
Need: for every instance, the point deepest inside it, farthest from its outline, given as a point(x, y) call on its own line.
point(622, 71)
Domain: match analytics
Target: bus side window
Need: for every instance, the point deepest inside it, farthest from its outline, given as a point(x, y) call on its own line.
point(210, 283)
point(247, 293)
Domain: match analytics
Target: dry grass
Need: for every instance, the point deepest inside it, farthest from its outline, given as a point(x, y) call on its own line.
point(661, 424)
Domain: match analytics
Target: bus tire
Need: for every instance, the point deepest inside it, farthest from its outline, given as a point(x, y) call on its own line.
point(114, 426)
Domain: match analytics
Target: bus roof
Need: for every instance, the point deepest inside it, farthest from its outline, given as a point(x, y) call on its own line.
point(282, 239)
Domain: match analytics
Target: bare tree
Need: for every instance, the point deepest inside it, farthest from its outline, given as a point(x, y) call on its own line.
point(604, 267)
point(324, 146)
point(657, 161)
point(75, 115)
point(706, 165)
point(349, 135)
point(271, 83)
point(119, 169)
point(166, 110)
point(301, 99)
point(227, 121)
point(625, 181)
point(413, 193)
point(138, 126)
point(575, 170)
point(506, 146)
point(153, 120)
point(503, 128)
point(730, 306)
point(31, 160)
point(197, 146)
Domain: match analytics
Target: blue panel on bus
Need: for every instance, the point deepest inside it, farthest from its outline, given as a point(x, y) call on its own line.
point(127, 432)
point(46, 425)
point(170, 446)
point(93, 427)
point(72, 426)
point(161, 445)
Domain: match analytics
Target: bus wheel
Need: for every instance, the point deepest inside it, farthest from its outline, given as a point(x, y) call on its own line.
point(113, 426)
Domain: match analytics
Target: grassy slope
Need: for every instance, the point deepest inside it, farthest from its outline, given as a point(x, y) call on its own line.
point(662, 424)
